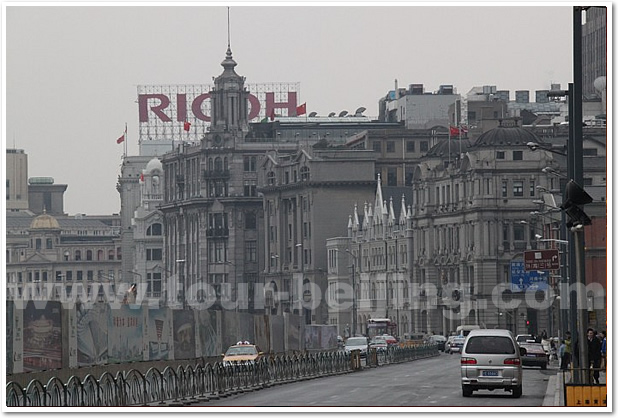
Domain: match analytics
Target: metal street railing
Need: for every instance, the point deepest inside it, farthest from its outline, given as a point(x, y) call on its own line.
point(197, 384)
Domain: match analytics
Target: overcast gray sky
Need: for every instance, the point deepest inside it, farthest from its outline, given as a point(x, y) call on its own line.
point(72, 72)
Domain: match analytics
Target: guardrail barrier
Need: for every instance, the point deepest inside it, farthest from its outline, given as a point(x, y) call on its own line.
point(200, 383)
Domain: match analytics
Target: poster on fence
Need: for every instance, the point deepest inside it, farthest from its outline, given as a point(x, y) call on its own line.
point(159, 334)
point(125, 334)
point(184, 334)
point(42, 336)
point(292, 332)
point(277, 331)
point(92, 333)
point(261, 333)
point(208, 338)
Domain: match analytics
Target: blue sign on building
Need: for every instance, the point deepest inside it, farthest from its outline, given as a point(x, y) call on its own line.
point(522, 280)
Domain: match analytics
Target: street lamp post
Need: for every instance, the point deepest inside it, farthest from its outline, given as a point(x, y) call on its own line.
point(354, 257)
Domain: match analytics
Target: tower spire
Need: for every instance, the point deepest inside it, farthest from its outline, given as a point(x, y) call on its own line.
point(228, 29)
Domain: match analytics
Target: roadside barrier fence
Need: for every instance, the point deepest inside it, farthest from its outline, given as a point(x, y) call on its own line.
point(198, 384)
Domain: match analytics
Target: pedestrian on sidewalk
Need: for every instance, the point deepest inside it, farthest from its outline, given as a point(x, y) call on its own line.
point(603, 338)
point(568, 349)
point(561, 350)
point(594, 354)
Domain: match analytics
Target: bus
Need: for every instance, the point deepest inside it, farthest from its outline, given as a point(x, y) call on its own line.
point(380, 326)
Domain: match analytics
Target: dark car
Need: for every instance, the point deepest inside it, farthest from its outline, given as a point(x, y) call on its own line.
point(535, 355)
point(439, 340)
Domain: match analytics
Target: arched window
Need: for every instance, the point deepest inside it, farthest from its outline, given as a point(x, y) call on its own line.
point(100, 256)
point(89, 255)
point(304, 173)
point(154, 229)
point(218, 164)
point(78, 255)
point(211, 165)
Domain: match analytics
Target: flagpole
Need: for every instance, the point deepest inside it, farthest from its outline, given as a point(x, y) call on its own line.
point(449, 144)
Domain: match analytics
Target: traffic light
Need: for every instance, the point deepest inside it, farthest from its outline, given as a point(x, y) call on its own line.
point(574, 198)
point(527, 322)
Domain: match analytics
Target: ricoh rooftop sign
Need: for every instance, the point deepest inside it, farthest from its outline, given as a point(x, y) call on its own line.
point(163, 109)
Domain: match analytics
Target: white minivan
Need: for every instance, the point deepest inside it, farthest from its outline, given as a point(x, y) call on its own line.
point(491, 359)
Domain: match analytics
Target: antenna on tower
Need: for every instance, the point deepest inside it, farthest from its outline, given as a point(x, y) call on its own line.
point(228, 27)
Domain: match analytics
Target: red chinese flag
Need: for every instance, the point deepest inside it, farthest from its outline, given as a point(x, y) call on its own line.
point(141, 177)
point(120, 140)
point(454, 130)
point(301, 110)
point(187, 126)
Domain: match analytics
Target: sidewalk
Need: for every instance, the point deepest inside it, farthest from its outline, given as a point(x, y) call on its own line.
point(554, 396)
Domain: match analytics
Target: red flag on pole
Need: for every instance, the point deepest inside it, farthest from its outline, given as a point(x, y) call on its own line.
point(301, 110)
point(121, 139)
point(454, 130)
point(187, 126)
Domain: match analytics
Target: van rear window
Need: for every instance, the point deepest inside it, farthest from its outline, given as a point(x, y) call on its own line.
point(489, 344)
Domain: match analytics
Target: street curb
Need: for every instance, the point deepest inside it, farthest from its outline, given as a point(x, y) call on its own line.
point(550, 394)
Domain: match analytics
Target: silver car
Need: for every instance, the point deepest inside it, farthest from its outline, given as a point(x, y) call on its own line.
point(491, 359)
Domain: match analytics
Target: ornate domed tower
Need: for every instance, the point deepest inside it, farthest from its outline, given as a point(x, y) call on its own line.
point(45, 236)
point(229, 106)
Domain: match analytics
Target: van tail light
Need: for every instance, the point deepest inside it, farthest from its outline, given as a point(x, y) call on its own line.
point(512, 361)
point(468, 360)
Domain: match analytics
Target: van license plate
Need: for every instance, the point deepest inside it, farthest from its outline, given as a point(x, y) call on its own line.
point(490, 373)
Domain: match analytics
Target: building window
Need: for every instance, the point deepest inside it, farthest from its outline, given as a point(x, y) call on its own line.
point(49, 244)
point(90, 275)
point(390, 146)
point(110, 255)
point(154, 284)
point(69, 275)
point(518, 155)
point(410, 146)
point(532, 188)
point(391, 177)
point(518, 188)
point(78, 255)
point(471, 117)
point(304, 173)
point(504, 188)
point(251, 251)
point(80, 275)
point(250, 220)
point(154, 230)
point(89, 255)
point(250, 163)
point(270, 178)
point(500, 155)
point(154, 254)
point(218, 251)
point(518, 233)
point(424, 146)
point(377, 146)
point(250, 188)
point(587, 181)
point(38, 243)
point(590, 151)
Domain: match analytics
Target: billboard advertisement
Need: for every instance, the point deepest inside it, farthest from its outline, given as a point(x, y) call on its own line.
point(92, 334)
point(42, 336)
point(164, 109)
point(125, 334)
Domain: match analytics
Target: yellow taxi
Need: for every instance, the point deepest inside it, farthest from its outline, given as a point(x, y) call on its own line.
point(242, 352)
